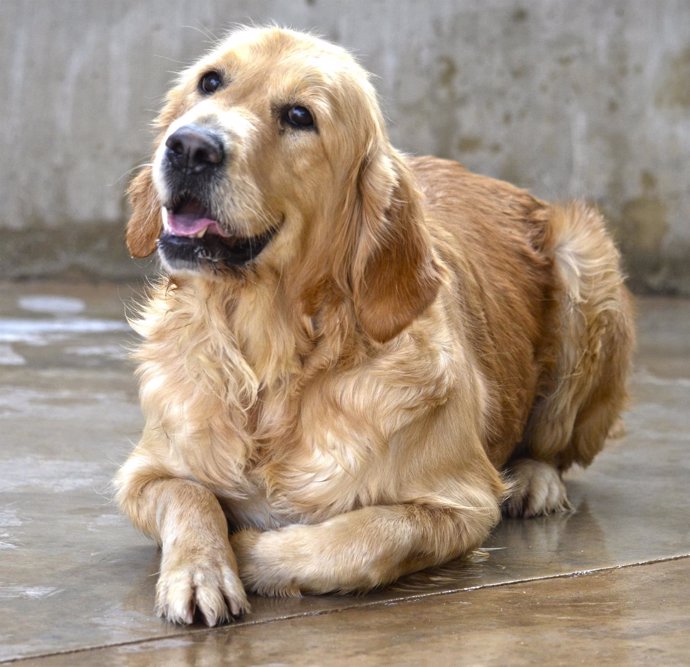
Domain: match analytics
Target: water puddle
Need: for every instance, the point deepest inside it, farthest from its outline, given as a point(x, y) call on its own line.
point(40, 331)
point(55, 319)
point(55, 305)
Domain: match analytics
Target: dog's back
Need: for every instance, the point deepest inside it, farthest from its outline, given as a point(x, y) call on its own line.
point(539, 292)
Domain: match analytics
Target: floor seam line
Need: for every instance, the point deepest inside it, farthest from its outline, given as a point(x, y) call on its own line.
point(366, 605)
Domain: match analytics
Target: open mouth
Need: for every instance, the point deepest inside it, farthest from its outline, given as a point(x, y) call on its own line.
point(192, 239)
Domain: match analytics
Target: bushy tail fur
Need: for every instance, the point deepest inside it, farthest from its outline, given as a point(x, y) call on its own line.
point(586, 390)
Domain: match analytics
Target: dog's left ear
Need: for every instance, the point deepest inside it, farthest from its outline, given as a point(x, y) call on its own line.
point(144, 226)
point(394, 274)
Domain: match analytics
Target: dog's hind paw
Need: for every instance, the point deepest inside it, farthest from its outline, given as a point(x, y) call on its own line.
point(536, 488)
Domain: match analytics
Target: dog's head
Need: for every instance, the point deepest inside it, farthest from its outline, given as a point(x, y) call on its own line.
point(273, 153)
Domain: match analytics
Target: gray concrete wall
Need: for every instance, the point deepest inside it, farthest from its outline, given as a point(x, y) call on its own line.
point(588, 99)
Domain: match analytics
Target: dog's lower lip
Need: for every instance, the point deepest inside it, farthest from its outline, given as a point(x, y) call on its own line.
point(192, 252)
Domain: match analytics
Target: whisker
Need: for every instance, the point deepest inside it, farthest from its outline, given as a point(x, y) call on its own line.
point(128, 173)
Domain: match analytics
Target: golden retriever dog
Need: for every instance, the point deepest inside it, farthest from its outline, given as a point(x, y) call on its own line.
point(356, 359)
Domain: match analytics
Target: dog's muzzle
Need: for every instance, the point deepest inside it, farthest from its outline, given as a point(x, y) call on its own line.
point(194, 236)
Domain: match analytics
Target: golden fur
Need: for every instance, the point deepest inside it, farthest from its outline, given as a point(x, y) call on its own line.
point(352, 401)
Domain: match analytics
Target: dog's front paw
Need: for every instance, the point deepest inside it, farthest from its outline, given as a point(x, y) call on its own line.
point(199, 582)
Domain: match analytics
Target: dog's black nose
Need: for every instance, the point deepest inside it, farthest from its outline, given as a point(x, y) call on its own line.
point(193, 149)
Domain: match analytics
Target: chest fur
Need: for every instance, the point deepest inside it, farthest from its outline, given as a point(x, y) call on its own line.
point(275, 444)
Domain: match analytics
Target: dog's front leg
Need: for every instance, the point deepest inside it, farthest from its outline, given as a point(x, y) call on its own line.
point(198, 567)
point(359, 550)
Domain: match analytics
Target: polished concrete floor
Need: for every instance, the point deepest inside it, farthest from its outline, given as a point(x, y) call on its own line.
point(607, 584)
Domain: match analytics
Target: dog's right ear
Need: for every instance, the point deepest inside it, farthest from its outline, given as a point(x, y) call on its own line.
point(144, 226)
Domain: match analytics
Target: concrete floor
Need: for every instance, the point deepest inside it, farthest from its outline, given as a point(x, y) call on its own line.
point(607, 584)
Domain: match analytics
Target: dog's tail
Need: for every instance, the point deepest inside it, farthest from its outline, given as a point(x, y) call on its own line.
point(586, 388)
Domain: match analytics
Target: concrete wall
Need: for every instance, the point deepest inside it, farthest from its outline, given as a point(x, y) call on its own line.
point(586, 98)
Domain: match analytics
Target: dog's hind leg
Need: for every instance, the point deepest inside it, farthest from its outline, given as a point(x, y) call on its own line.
point(584, 387)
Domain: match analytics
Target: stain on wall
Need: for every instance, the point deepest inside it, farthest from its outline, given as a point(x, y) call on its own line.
point(643, 228)
point(674, 90)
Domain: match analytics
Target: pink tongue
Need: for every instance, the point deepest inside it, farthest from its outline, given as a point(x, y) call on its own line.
point(188, 224)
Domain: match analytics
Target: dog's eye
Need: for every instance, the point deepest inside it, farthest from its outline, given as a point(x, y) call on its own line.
point(298, 117)
point(210, 82)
